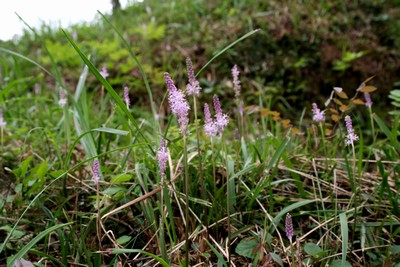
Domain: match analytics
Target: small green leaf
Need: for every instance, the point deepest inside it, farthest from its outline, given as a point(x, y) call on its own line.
point(395, 249)
point(18, 188)
point(114, 190)
point(338, 263)
point(247, 247)
point(120, 178)
point(313, 250)
point(15, 234)
point(21, 171)
point(276, 258)
point(41, 170)
point(124, 239)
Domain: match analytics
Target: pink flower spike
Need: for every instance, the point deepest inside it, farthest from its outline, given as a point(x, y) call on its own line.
point(351, 136)
point(221, 119)
point(170, 83)
point(178, 104)
point(96, 170)
point(126, 96)
point(236, 81)
point(2, 122)
point(193, 87)
point(104, 72)
point(210, 128)
point(63, 101)
point(318, 115)
point(162, 156)
point(289, 227)
point(368, 101)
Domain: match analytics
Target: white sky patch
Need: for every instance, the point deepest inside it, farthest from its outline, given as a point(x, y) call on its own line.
point(52, 12)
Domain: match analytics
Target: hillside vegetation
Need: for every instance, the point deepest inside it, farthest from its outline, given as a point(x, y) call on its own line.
point(204, 133)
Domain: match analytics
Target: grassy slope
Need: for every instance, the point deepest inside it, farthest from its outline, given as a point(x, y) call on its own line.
point(343, 199)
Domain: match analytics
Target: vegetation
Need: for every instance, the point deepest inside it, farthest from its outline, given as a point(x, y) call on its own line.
point(250, 134)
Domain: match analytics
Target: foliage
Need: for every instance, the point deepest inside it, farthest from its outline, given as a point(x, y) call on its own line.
point(222, 200)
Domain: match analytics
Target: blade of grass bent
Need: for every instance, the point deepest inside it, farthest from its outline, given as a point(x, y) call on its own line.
point(291, 207)
point(27, 59)
point(27, 247)
point(110, 90)
point(226, 48)
point(389, 134)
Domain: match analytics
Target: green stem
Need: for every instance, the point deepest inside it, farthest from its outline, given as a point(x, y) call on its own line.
point(215, 186)
point(321, 126)
point(2, 140)
point(228, 204)
point(98, 215)
point(357, 188)
point(201, 179)
point(292, 252)
point(372, 124)
point(186, 179)
point(162, 230)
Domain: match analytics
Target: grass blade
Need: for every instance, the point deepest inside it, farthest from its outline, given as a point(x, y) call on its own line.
point(345, 236)
point(389, 134)
point(226, 48)
point(27, 59)
point(110, 90)
point(142, 72)
point(291, 207)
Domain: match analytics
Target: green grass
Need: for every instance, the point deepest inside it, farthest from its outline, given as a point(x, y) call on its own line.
point(222, 200)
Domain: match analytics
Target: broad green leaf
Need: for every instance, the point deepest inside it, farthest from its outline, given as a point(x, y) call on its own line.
point(23, 168)
point(15, 234)
point(247, 247)
point(121, 178)
point(395, 249)
point(42, 170)
point(114, 190)
point(313, 250)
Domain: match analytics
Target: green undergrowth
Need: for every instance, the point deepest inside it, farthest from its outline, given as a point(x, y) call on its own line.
point(304, 47)
point(222, 200)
